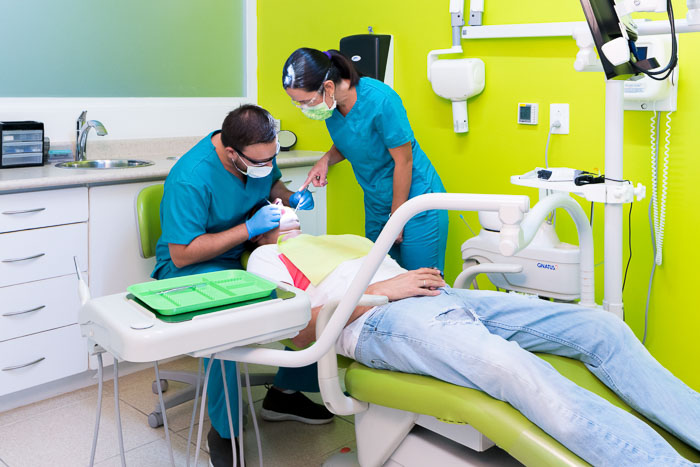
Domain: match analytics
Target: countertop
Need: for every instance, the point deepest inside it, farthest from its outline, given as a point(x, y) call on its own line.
point(162, 152)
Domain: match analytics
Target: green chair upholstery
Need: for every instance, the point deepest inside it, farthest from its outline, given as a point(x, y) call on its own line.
point(148, 218)
point(497, 420)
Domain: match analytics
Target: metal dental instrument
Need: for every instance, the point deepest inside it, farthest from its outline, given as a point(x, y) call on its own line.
point(306, 188)
point(184, 287)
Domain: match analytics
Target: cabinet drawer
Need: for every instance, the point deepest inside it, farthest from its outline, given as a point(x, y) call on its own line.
point(40, 358)
point(19, 211)
point(38, 306)
point(37, 254)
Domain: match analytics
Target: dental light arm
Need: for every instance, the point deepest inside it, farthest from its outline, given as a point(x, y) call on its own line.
point(517, 236)
point(509, 208)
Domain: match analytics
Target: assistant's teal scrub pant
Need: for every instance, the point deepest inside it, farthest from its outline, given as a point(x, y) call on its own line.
point(297, 379)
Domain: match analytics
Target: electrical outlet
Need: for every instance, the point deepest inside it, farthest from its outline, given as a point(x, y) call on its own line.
point(559, 112)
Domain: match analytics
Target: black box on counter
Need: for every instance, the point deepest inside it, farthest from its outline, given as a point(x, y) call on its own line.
point(21, 144)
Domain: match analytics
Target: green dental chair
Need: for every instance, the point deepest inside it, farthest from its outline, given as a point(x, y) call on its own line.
point(149, 231)
point(399, 403)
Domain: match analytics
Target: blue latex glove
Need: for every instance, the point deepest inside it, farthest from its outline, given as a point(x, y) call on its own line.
point(302, 199)
point(266, 219)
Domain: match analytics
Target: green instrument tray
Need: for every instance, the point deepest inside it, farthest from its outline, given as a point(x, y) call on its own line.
point(184, 317)
point(200, 291)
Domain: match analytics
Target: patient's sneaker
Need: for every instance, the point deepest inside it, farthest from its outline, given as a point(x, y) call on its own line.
point(220, 450)
point(278, 406)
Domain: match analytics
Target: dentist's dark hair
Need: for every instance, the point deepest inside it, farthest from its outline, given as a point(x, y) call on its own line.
point(246, 125)
point(307, 69)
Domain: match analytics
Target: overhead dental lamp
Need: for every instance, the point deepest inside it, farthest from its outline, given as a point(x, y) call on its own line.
point(615, 35)
point(457, 80)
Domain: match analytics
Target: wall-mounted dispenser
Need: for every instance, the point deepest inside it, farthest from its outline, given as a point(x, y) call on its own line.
point(372, 55)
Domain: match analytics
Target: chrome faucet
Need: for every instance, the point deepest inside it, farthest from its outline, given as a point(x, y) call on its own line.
point(82, 129)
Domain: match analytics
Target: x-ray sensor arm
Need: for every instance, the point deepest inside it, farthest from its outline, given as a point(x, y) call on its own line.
point(457, 21)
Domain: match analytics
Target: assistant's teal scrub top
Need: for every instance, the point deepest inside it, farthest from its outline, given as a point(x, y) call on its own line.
point(201, 196)
point(376, 123)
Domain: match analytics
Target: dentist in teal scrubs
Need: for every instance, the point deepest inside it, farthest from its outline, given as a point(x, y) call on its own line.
point(369, 127)
point(205, 223)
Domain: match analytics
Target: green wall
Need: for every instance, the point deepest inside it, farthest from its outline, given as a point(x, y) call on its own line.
point(482, 161)
point(126, 48)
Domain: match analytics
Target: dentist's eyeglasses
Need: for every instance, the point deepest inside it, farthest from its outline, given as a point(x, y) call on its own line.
point(259, 163)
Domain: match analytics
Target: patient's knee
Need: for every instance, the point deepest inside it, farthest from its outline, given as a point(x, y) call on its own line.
point(611, 336)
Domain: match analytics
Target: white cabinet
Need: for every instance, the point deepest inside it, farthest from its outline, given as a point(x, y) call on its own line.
point(312, 222)
point(42, 232)
point(115, 261)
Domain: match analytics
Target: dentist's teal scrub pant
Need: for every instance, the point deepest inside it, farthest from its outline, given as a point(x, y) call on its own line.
point(200, 197)
point(376, 123)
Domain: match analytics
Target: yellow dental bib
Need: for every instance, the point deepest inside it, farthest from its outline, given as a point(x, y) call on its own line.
point(318, 256)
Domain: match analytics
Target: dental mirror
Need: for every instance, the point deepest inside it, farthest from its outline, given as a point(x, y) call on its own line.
point(287, 139)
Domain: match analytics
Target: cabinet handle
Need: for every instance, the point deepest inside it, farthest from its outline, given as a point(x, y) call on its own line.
point(24, 365)
point(24, 211)
point(15, 313)
point(14, 260)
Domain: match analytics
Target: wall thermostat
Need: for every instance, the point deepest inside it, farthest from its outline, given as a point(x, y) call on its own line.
point(527, 114)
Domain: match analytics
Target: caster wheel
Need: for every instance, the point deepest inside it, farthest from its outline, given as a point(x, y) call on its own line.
point(163, 386)
point(155, 419)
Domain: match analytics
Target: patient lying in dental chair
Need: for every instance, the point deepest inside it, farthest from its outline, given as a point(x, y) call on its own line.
point(483, 339)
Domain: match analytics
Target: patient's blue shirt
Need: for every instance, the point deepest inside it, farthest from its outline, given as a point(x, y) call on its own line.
point(201, 196)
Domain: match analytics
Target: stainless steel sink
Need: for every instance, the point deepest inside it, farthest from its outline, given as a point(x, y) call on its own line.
point(104, 164)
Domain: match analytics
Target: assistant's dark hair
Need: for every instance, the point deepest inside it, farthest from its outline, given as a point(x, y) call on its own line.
point(307, 69)
point(246, 125)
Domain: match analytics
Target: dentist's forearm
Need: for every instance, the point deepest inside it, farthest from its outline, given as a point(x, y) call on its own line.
point(207, 246)
point(279, 190)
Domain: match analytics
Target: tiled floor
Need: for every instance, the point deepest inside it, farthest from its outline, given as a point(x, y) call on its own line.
point(58, 432)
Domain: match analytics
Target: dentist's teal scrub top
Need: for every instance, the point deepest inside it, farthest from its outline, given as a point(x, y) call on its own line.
point(201, 196)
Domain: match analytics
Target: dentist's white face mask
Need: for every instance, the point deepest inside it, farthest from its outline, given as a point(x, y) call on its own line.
point(253, 171)
point(256, 171)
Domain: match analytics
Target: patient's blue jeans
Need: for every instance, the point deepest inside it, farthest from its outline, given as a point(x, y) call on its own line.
point(478, 339)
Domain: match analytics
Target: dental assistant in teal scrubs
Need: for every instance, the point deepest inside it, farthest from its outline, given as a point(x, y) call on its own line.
point(205, 223)
point(369, 127)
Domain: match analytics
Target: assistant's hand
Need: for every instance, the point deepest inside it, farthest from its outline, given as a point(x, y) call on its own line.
point(423, 281)
point(266, 219)
point(318, 173)
point(302, 199)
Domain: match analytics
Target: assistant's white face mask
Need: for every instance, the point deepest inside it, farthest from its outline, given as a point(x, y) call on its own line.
point(320, 111)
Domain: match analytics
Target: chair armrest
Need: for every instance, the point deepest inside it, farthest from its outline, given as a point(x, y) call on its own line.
point(468, 275)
